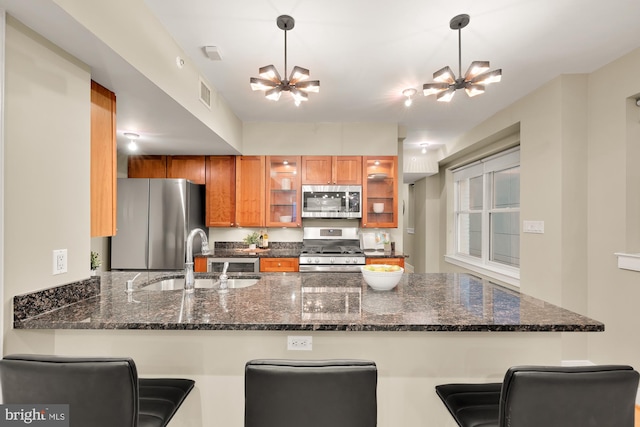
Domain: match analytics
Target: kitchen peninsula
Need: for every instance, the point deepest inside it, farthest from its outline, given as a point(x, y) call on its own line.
point(431, 329)
point(307, 302)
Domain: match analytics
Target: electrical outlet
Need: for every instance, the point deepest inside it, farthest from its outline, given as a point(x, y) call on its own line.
point(299, 342)
point(59, 261)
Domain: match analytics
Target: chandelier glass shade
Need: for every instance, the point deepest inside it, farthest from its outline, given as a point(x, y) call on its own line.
point(473, 81)
point(297, 84)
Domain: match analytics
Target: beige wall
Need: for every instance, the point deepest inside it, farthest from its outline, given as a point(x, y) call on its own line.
point(613, 192)
point(335, 139)
point(47, 143)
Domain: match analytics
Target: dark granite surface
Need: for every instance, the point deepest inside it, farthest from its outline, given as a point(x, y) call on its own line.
point(307, 302)
point(277, 250)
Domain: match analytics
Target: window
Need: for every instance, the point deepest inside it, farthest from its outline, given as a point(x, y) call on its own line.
point(487, 213)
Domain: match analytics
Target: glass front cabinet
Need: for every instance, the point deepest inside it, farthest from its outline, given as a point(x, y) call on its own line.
point(283, 191)
point(380, 192)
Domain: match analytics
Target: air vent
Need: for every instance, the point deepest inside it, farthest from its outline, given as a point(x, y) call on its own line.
point(205, 93)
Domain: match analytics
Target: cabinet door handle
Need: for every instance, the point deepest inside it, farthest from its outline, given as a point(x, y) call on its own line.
point(279, 265)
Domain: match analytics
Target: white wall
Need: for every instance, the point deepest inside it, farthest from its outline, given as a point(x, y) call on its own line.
point(47, 153)
point(132, 31)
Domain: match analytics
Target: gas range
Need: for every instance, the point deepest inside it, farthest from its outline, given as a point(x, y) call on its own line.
point(331, 250)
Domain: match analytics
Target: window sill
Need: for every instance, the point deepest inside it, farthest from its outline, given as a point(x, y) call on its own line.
point(506, 275)
point(628, 261)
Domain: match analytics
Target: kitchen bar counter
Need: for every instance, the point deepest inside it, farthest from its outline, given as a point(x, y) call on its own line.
point(301, 302)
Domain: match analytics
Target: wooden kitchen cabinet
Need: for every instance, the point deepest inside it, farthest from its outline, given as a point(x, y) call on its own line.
point(103, 161)
point(250, 189)
point(275, 265)
point(283, 191)
point(331, 170)
point(221, 191)
point(192, 168)
point(388, 261)
point(147, 167)
point(200, 264)
point(380, 192)
point(187, 167)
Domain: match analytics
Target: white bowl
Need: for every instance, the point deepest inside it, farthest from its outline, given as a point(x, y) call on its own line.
point(285, 218)
point(382, 277)
point(378, 207)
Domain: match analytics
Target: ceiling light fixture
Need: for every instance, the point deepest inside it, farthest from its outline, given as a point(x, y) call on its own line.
point(132, 140)
point(273, 85)
point(474, 80)
point(424, 148)
point(409, 93)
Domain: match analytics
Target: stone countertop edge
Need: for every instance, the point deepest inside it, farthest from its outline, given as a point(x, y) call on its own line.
point(444, 302)
point(284, 253)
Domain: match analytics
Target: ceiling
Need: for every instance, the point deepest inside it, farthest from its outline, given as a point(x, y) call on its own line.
point(364, 53)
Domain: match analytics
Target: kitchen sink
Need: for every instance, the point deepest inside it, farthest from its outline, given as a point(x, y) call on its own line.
point(178, 283)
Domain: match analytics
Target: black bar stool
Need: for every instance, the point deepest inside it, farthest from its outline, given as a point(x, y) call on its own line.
point(310, 393)
point(100, 392)
point(536, 396)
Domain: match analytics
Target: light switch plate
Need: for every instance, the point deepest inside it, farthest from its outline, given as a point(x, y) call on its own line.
point(536, 227)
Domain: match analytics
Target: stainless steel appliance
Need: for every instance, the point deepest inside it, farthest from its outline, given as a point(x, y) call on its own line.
point(236, 265)
point(331, 250)
point(331, 201)
point(154, 217)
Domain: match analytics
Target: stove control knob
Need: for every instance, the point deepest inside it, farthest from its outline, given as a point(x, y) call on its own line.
point(332, 260)
point(355, 260)
point(316, 260)
point(347, 260)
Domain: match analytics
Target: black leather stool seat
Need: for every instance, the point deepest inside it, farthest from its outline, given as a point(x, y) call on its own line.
point(549, 396)
point(310, 393)
point(160, 399)
point(472, 405)
point(100, 392)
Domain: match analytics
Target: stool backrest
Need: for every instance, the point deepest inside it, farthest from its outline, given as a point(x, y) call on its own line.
point(584, 396)
point(100, 392)
point(321, 393)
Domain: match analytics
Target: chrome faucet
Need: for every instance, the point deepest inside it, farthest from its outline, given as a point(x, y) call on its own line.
point(189, 281)
point(223, 278)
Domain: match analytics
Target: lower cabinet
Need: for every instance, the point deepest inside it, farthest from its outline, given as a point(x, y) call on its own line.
point(278, 265)
point(200, 264)
point(388, 261)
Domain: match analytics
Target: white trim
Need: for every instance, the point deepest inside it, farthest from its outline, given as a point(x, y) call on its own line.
point(3, 21)
point(628, 261)
point(494, 271)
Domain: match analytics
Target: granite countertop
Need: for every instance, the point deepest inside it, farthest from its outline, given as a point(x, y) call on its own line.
point(296, 301)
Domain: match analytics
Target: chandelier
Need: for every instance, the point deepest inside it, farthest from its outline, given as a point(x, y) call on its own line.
point(297, 84)
point(473, 81)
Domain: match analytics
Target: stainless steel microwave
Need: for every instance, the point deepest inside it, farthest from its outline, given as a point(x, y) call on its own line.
point(331, 201)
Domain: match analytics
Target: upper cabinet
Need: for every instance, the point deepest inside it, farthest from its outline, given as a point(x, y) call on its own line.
point(332, 170)
point(250, 189)
point(380, 192)
point(221, 191)
point(187, 167)
point(103, 161)
point(147, 167)
point(283, 191)
point(182, 167)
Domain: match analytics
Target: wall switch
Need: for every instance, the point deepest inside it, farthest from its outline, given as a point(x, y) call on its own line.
point(59, 261)
point(536, 227)
point(299, 342)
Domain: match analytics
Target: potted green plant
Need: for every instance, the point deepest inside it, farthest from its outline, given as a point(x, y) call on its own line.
point(95, 262)
point(252, 239)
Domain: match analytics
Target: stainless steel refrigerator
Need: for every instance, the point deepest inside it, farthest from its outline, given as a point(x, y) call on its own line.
point(154, 217)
